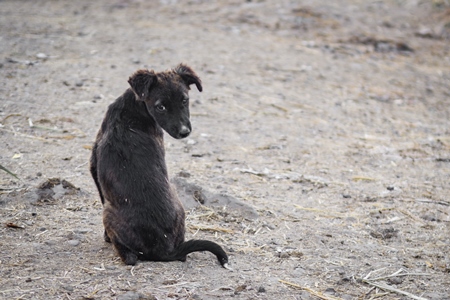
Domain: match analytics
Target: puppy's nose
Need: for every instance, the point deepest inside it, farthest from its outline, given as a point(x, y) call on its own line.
point(185, 131)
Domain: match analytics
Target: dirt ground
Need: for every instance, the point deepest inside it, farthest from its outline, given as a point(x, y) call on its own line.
point(324, 126)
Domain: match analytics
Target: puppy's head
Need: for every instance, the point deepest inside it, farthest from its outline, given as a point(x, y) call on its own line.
point(166, 97)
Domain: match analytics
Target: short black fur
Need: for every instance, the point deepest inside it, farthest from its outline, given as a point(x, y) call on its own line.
point(142, 214)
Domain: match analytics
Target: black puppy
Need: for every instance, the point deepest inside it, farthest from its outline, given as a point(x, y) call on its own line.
point(142, 215)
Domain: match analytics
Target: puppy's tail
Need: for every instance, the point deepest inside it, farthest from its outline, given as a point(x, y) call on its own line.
point(200, 245)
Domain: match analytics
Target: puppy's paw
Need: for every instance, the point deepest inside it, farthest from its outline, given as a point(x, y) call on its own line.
point(130, 259)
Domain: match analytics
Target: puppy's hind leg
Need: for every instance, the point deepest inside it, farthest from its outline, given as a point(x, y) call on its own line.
point(128, 256)
point(106, 237)
point(123, 238)
point(94, 173)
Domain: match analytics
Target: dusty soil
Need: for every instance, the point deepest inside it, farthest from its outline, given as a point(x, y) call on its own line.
point(327, 123)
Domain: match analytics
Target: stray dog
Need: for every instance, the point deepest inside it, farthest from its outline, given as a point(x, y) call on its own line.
point(142, 215)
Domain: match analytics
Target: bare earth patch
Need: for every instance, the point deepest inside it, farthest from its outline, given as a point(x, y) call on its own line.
point(319, 158)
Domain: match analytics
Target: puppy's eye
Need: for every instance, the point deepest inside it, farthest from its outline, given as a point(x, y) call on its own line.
point(185, 101)
point(160, 108)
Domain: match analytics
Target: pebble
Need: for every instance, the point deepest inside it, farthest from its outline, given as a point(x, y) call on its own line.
point(83, 230)
point(430, 217)
point(184, 174)
point(73, 242)
point(41, 55)
point(395, 280)
point(435, 296)
point(36, 245)
point(305, 295)
point(68, 288)
point(131, 296)
point(298, 272)
point(85, 103)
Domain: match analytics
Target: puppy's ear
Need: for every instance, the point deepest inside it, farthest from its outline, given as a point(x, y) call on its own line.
point(141, 82)
point(188, 76)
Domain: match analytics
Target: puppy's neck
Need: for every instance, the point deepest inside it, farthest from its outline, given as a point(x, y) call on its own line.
point(137, 117)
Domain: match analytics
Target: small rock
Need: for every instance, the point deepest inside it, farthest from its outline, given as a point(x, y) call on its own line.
point(135, 296)
point(306, 296)
point(73, 242)
point(50, 243)
point(430, 217)
point(136, 61)
point(261, 289)
point(79, 83)
point(67, 287)
point(434, 296)
point(344, 280)
point(82, 230)
point(351, 220)
point(384, 234)
point(84, 103)
point(37, 246)
point(298, 271)
point(240, 288)
point(390, 188)
point(12, 60)
point(425, 32)
point(199, 197)
point(395, 280)
point(184, 174)
point(129, 296)
point(42, 56)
